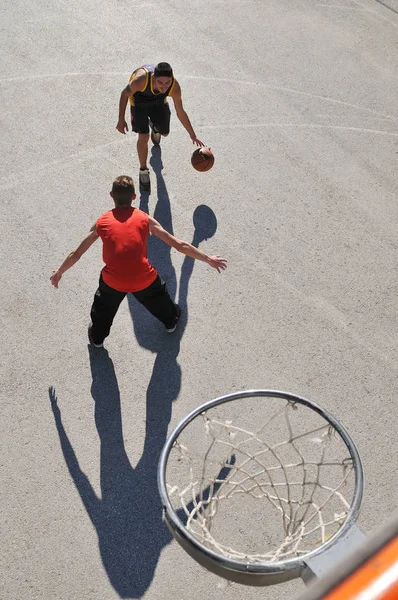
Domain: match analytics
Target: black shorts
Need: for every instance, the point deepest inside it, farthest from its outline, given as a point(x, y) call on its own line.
point(159, 115)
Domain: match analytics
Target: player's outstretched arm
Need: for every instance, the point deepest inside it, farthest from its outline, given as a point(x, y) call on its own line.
point(182, 115)
point(74, 256)
point(216, 262)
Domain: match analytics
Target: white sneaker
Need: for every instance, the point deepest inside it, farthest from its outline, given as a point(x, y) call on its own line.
point(145, 182)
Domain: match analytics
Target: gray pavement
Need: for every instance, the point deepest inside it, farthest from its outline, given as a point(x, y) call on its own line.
point(298, 101)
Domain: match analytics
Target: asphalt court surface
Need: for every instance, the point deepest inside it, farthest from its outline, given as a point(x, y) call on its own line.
point(298, 101)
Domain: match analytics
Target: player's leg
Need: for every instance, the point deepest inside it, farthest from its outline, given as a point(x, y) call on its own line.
point(159, 122)
point(104, 308)
point(140, 124)
point(155, 135)
point(157, 300)
point(142, 149)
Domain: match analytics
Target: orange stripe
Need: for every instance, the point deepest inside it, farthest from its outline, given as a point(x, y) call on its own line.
point(146, 78)
point(369, 579)
point(133, 76)
point(131, 97)
point(172, 87)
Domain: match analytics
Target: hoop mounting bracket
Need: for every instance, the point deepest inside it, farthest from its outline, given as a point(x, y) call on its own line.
point(318, 565)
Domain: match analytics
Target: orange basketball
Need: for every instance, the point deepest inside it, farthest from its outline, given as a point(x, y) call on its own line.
point(202, 159)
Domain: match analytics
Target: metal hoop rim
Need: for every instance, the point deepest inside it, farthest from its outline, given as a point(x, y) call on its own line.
point(291, 564)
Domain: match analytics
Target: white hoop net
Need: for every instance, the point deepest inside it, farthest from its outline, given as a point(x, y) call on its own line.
point(264, 493)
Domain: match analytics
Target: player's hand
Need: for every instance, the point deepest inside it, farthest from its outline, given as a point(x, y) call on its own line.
point(55, 278)
point(217, 263)
point(122, 127)
point(196, 141)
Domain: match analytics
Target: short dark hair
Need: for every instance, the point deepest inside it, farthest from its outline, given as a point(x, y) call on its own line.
point(163, 69)
point(123, 190)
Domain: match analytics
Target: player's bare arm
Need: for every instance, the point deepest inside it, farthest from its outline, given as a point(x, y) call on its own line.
point(182, 115)
point(216, 262)
point(75, 255)
point(136, 85)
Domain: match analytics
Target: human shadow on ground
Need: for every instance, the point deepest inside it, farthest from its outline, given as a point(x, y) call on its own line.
point(128, 515)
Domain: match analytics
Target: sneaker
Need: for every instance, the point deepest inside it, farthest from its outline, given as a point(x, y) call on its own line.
point(145, 182)
point(155, 135)
point(173, 327)
point(90, 339)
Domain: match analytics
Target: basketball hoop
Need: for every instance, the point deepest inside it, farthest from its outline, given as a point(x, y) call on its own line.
point(262, 486)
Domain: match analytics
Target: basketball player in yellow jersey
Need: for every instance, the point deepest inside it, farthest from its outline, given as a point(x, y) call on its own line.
point(148, 90)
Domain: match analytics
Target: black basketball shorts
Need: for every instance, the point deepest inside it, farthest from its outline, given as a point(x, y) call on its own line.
point(159, 115)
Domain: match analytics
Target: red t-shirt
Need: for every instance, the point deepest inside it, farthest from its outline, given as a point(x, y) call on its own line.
point(124, 233)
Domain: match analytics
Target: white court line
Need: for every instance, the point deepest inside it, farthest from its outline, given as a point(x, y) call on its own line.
point(328, 311)
point(201, 78)
point(293, 91)
point(375, 13)
point(388, 6)
point(95, 149)
point(60, 75)
point(59, 161)
point(335, 316)
point(341, 6)
point(303, 125)
point(81, 10)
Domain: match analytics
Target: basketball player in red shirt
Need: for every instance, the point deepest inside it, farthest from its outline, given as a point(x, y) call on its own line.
point(148, 90)
point(124, 232)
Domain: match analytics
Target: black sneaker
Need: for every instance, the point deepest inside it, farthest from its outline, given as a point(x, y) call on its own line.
point(145, 182)
point(155, 135)
point(171, 328)
point(90, 339)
